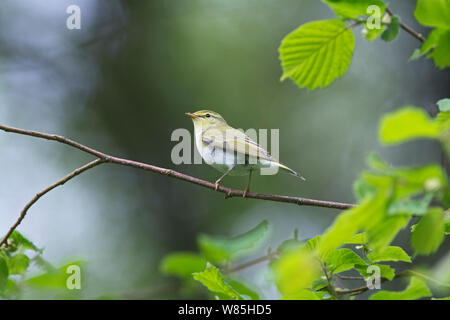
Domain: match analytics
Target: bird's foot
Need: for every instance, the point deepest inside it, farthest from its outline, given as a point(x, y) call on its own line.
point(244, 195)
point(216, 186)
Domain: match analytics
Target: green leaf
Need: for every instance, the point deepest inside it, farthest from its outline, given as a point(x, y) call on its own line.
point(182, 264)
point(440, 55)
point(213, 280)
point(429, 232)
point(54, 279)
point(433, 13)
point(406, 124)
point(295, 271)
point(242, 289)
point(385, 271)
point(372, 34)
point(383, 233)
point(432, 41)
point(391, 253)
point(447, 222)
point(354, 8)
point(304, 294)
point(4, 273)
point(18, 263)
point(416, 289)
point(371, 211)
point(220, 249)
point(444, 104)
point(317, 53)
point(19, 239)
point(342, 260)
point(416, 54)
point(392, 30)
point(417, 207)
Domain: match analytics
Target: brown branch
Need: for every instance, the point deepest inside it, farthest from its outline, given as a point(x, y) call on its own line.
point(411, 31)
point(105, 158)
point(38, 195)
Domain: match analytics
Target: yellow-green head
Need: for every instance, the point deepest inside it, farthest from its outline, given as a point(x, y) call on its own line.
point(206, 118)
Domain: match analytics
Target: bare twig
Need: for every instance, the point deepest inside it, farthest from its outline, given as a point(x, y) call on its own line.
point(412, 32)
point(268, 257)
point(38, 195)
point(105, 158)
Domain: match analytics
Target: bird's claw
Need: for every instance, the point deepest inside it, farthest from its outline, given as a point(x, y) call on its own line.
point(244, 195)
point(216, 186)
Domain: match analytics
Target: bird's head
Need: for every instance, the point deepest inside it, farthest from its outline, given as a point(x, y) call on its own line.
point(206, 118)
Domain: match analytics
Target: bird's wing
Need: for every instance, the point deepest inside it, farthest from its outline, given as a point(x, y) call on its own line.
point(236, 141)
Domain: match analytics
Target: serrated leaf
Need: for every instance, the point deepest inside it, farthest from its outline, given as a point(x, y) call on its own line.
point(342, 260)
point(429, 232)
point(406, 124)
point(391, 253)
point(182, 264)
point(317, 53)
point(213, 280)
point(416, 289)
point(295, 271)
point(444, 104)
point(433, 13)
point(221, 249)
point(18, 263)
point(354, 8)
point(392, 29)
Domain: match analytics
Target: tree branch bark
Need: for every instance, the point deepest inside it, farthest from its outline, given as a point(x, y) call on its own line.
point(105, 158)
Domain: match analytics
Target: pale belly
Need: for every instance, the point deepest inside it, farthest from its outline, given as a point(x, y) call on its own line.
point(222, 161)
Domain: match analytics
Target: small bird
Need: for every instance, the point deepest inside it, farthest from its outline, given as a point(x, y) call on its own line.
point(229, 150)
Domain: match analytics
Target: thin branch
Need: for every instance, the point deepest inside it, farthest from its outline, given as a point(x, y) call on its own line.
point(412, 32)
point(105, 158)
point(38, 195)
point(268, 257)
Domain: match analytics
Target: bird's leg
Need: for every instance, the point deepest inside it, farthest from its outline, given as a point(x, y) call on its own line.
point(223, 176)
point(247, 190)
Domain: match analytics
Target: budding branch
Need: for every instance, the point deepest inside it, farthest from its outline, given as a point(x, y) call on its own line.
point(105, 158)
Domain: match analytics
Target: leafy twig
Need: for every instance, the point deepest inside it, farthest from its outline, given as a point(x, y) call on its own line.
point(412, 32)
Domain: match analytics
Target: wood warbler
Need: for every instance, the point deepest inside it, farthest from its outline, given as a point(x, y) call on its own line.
point(230, 150)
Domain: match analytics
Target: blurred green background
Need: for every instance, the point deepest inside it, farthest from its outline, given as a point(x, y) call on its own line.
point(122, 83)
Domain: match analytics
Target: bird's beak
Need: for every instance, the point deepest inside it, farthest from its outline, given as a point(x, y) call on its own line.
point(191, 115)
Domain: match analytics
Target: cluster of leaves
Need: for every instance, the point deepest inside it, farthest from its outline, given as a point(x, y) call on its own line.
point(318, 52)
point(18, 258)
point(359, 239)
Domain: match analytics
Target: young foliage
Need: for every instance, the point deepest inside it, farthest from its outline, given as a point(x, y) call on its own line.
point(317, 53)
point(428, 234)
point(213, 280)
point(416, 289)
point(354, 8)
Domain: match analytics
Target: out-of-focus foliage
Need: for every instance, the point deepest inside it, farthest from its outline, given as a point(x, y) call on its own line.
point(16, 260)
point(388, 198)
point(318, 52)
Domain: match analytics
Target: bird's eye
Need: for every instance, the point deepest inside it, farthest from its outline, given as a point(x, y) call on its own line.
point(207, 115)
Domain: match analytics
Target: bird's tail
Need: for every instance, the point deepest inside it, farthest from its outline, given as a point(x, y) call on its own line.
point(286, 168)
